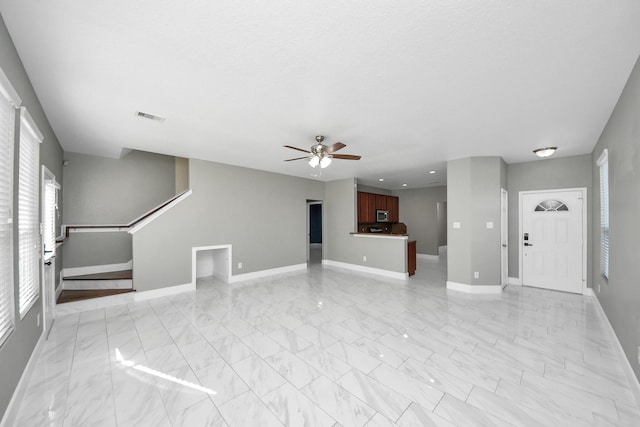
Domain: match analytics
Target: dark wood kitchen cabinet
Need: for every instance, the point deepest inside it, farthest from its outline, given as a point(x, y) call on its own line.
point(369, 203)
point(411, 255)
point(366, 208)
point(381, 202)
point(393, 206)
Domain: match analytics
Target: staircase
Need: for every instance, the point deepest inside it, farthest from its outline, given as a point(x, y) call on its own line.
point(106, 283)
point(87, 286)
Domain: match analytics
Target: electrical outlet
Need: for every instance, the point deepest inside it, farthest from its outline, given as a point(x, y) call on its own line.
point(598, 287)
point(364, 258)
point(239, 266)
point(476, 274)
point(638, 354)
point(38, 320)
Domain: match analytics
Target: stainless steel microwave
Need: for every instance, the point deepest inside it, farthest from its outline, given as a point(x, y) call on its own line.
point(382, 216)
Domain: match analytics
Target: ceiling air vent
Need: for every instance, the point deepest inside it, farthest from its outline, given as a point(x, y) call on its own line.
point(149, 116)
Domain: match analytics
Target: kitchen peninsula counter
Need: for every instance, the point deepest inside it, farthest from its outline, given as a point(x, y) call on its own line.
point(381, 235)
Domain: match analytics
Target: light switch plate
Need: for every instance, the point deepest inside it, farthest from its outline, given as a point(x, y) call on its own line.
point(456, 224)
point(489, 225)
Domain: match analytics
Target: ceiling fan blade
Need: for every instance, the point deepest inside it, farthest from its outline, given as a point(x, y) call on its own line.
point(297, 158)
point(296, 148)
point(346, 156)
point(335, 147)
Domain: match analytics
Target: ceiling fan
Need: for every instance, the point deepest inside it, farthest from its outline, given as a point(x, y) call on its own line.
point(321, 154)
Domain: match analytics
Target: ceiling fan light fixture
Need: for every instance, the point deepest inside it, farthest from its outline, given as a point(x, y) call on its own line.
point(313, 161)
point(544, 152)
point(325, 161)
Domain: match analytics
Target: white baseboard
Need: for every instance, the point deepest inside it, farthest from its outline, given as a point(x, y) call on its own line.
point(514, 281)
point(97, 284)
point(93, 269)
point(264, 273)
point(632, 380)
point(113, 300)
point(427, 256)
point(473, 289)
point(9, 418)
point(363, 269)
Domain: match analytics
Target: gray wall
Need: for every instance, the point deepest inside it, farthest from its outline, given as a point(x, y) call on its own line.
point(419, 211)
point(101, 190)
point(459, 210)
point(182, 174)
point(262, 214)
point(17, 349)
point(340, 215)
point(473, 199)
point(442, 223)
point(89, 249)
point(374, 190)
point(544, 174)
point(620, 294)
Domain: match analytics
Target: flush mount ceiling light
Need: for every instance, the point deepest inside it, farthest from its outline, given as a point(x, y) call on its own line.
point(432, 172)
point(544, 152)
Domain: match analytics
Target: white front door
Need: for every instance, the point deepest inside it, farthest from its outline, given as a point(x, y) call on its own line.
point(48, 294)
point(552, 240)
point(48, 227)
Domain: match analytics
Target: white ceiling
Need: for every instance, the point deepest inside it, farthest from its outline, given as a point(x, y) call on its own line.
point(406, 84)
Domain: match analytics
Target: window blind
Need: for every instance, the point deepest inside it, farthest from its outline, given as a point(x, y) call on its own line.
point(28, 218)
point(603, 163)
point(9, 101)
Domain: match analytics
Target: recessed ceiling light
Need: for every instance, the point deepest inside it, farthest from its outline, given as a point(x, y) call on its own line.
point(432, 171)
point(380, 179)
point(545, 152)
point(404, 185)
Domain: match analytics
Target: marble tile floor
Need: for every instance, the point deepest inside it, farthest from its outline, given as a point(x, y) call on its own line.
point(330, 347)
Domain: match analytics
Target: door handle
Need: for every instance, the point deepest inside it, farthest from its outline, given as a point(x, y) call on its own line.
point(527, 244)
point(504, 246)
point(47, 263)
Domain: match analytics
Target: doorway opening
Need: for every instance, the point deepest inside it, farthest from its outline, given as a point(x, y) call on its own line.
point(314, 232)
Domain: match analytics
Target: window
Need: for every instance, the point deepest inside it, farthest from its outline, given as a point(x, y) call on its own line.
point(551, 206)
point(9, 101)
point(603, 164)
point(28, 218)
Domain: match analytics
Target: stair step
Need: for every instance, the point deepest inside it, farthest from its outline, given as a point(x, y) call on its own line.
point(79, 295)
point(111, 275)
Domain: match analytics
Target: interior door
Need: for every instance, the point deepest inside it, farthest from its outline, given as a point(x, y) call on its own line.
point(504, 238)
point(552, 240)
